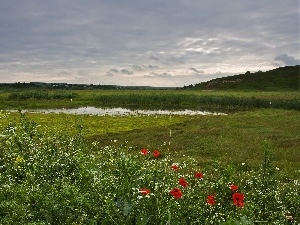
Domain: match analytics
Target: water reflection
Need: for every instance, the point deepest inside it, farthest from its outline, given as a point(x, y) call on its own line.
point(121, 111)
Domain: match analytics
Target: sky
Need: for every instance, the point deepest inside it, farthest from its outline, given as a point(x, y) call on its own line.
point(164, 43)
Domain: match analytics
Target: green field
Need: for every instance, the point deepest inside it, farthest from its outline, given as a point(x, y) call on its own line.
point(255, 145)
point(235, 138)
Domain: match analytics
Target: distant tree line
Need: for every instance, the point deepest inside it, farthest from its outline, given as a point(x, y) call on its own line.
point(66, 86)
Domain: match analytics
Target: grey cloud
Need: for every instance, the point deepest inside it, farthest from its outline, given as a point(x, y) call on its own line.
point(64, 73)
point(114, 70)
point(125, 71)
point(152, 66)
point(144, 67)
point(165, 74)
point(177, 60)
point(153, 57)
point(195, 70)
point(109, 74)
point(137, 67)
point(287, 60)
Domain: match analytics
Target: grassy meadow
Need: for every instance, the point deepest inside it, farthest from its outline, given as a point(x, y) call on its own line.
point(83, 169)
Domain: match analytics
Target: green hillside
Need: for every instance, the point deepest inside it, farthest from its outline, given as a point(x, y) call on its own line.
point(282, 78)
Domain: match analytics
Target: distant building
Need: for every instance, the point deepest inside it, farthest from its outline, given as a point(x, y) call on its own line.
point(38, 83)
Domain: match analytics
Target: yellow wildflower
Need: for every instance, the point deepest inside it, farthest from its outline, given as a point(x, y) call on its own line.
point(19, 159)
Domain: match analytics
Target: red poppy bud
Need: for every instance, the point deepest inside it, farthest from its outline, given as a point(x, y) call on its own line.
point(233, 187)
point(144, 151)
point(199, 175)
point(175, 167)
point(183, 182)
point(156, 153)
point(211, 200)
point(144, 191)
point(176, 193)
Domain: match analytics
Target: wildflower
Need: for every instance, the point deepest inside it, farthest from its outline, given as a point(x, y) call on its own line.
point(199, 175)
point(156, 153)
point(238, 199)
point(19, 159)
point(239, 204)
point(176, 193)
point(175, 166)
point(183, 182)
point(233, 187)
point(144, 151)
point(211, 200)
point(144, 191)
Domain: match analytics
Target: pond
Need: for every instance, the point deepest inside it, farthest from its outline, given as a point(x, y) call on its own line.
point(120, 111)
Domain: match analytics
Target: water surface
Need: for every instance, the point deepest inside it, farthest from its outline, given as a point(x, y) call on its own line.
point(120, 111)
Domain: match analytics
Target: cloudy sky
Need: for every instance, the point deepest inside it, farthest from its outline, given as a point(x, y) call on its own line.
point(144, 42)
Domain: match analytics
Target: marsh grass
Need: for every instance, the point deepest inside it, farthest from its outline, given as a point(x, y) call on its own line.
point(41, 95)
point(146, 99)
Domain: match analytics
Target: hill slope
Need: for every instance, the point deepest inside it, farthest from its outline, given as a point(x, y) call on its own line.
point(282, 78)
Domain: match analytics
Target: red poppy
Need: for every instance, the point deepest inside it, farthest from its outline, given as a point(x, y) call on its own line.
point(199, 175)
point(156, 153)
point(238, 199)
point(211, 200)
point(239, 204)
point(175, 167)
point(176, 193)
point(144, 151)
point(144, 191)
point(233, 187)
point(183, 182)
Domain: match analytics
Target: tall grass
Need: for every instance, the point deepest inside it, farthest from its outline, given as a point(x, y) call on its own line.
point(192, 100)
point(152, 99)
point(41, 95)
